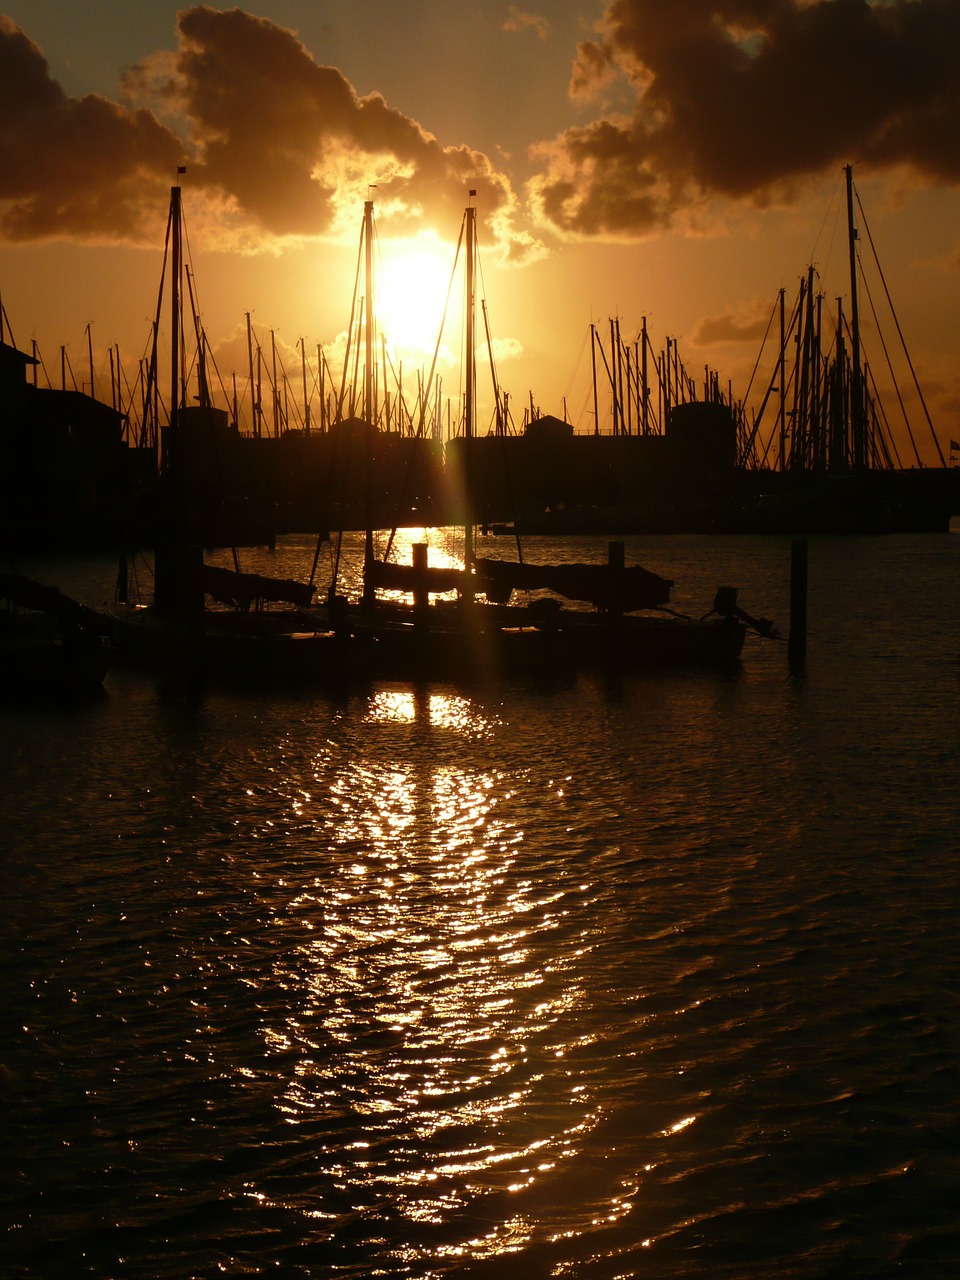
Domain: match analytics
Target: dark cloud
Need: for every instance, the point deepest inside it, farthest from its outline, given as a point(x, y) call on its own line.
point(288, 140)
point(73, 167)
point(278, 144)
point(730, 328)
point(593, 67)
point(743, 98)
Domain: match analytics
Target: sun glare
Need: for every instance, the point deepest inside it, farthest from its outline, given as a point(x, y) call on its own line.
point(412, 290)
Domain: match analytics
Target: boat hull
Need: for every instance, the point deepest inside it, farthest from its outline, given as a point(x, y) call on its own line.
point(488, 642)
point(50, 644)
point(260, 648)
point(395, 643)
point(37, 661)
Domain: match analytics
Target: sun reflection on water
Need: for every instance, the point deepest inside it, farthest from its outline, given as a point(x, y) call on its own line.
point(425, 998)
point(436, 710)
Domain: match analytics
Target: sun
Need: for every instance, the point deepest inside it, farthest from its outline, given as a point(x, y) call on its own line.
point(411, 292)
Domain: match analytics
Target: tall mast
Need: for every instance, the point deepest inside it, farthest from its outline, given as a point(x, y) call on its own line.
point(276, 386)
point(93, 386)
point(856, 389)
point(643, 377)
point(368, 589)
point(174, 302)
point(178, 556)
point(169, 460)
point(469, 407)
point(303, 376)
point(613, 378)
point(593, 367)
point(617, 355)
point(254, 407)
point(368, 318)
point(782, 410)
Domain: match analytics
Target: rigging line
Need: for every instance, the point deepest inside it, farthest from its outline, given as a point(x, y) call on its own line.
point(44, 368)
point(568, 394)
point(73, 376)
point(122, 374)
point(651, 407)
point(833, 210)
point(190, 271)
point(763, 343)
point(5, 322)
point(788, 331)
point(427, 391)
point(353, 310)
point(896, 384)
point(159, 311)
point(896, 321)
point(199, 358)
point(486, 323)
point(498, 408)
point(216, 368)
point(378, 274)
point(603, 357)
point(773, 434)
point(879, 454)
point(883, 423)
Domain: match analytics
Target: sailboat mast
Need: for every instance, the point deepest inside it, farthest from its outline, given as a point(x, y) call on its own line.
point(644, 342)
point(593, 374)
point(253, 387)
point(175, 251)
point(856, 390)
point(368, 318)
point(169, 461)
point(178, 555)
point(93, 386)
point(303, 378)
point(368, 590)
point(469, 406)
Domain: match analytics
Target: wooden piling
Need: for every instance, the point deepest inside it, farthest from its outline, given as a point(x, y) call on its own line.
point(421, 595)
point(616, 562)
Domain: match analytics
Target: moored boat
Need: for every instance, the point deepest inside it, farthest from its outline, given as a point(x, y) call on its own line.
point(50, 645)
point(407, 625)
point(629, 624)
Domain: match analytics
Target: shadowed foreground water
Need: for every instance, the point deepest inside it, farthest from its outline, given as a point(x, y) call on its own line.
point(650, 977)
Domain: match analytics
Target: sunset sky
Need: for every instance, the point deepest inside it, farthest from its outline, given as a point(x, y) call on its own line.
point(631, 158)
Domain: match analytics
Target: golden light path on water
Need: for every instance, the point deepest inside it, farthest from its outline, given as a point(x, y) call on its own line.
point(651, 977)
point(430, 988)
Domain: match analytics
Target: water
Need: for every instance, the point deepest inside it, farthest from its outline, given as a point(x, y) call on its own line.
point(643, 977)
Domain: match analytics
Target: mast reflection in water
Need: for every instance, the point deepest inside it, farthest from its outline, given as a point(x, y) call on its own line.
point(648, 977)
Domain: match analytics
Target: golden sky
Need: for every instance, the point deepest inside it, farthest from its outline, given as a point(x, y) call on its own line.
point(631, 158)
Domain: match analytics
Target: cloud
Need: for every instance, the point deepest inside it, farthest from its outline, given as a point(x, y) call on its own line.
point(744, 99)
point(279, 146)
point(73, 167)
point(505, 350)
point(732, 328)
point(593, 67)
point(518, 21)
point(291, 143)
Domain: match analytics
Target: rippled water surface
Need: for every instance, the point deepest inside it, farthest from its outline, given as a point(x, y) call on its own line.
point(642, 977)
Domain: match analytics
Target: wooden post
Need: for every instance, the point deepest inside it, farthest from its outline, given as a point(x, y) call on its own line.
point(615, 562)
point(421, 593)
point(797, 644)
